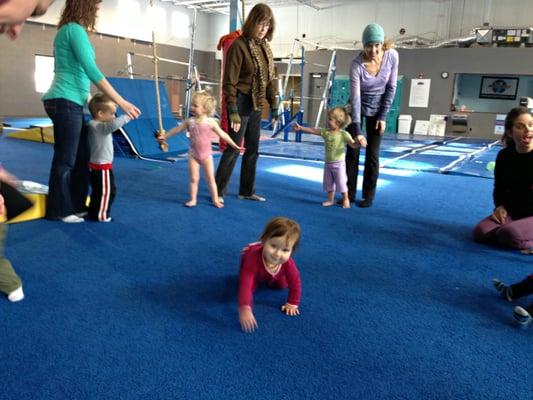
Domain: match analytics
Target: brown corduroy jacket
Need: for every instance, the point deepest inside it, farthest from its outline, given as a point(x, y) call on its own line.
point(239, 70)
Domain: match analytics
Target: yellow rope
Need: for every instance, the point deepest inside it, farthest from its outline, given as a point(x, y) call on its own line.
point(164, 145)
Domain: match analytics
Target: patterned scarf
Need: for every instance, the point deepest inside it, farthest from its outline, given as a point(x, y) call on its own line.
point(264, 74)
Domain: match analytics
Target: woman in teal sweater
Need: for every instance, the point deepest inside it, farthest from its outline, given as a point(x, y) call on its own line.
point(75, 69)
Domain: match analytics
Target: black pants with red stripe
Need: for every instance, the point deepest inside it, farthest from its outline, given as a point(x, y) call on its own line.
point(102, 194)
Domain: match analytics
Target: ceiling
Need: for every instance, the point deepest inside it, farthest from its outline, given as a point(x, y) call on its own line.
point(222, 6)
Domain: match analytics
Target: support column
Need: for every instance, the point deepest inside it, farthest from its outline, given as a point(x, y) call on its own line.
point(233, 15)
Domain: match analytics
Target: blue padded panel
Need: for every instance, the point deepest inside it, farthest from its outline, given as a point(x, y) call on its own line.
point(140, 132)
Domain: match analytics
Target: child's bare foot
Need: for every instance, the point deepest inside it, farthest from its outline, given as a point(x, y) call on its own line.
point(345, 203)
point(327, 203)
point(190, 203)
point(218, 204)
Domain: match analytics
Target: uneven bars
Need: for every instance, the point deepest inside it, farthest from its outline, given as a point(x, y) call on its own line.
point(319, 46)
point(159, 58)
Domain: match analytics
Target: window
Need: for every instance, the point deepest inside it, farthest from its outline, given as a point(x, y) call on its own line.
point(44, 73)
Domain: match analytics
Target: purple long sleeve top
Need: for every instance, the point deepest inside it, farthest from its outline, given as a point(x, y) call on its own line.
point(373, 95)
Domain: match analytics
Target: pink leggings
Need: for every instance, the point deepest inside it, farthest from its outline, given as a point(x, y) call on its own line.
point(516, 234)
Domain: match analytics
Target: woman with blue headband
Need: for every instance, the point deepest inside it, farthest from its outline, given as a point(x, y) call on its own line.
point(373, 76)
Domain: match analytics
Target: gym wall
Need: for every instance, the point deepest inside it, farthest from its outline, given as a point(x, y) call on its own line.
point(17, 66)
point(431, 63)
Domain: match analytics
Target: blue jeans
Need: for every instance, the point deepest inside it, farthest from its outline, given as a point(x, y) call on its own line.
point(69, 174)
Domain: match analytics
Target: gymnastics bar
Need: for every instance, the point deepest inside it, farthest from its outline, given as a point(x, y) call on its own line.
point(419, 150)
point(190, 69)
point(329, 81)
point(468, 156)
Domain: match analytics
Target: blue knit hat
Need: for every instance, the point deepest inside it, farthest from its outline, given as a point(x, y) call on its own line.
point(373, 33)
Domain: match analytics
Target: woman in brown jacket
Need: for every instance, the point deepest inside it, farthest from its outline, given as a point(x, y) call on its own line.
point(247, 82)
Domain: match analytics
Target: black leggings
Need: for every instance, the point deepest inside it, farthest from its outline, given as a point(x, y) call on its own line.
point(371, 173)
point(250, 130)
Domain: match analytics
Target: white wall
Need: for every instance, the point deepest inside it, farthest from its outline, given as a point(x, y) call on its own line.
point(132, 19)
point(431, 19)
point(336, 26)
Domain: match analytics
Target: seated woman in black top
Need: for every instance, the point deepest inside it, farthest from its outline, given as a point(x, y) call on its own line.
point(511, 222)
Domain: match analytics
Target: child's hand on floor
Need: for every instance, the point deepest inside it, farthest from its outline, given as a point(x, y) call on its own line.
point(247, 319)
point(290, 309)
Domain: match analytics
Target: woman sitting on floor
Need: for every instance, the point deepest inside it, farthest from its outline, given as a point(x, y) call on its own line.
point(511, 222)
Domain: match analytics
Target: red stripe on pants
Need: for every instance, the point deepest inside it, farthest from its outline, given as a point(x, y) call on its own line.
point(104, 203)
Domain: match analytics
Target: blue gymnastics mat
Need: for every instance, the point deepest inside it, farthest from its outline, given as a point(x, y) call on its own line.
point(480, 164)
point(140, 132)
point(26, 122)
point(453, 155)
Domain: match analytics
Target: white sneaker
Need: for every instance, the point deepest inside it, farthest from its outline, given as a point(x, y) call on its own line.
point(16, 295)
point(254, 197)
point(522, 316)
point(72, 219)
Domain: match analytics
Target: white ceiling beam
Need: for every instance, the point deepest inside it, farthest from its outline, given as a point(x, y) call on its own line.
point(217, 6)
point(308, 3)
point(221, 6)
point(193, 2)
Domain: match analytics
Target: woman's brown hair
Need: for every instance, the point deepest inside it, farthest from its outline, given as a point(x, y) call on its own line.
point(82, 12)
point(510, 119)
point(282, 227)
point(388, 44)
point(258, 14)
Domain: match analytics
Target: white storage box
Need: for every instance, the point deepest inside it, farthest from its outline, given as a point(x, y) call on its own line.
point(404, 124)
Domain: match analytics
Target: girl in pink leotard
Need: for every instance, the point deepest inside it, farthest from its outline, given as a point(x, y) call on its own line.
point(201, 128)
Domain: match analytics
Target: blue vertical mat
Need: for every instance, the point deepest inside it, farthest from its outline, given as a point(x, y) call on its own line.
point(140, 132)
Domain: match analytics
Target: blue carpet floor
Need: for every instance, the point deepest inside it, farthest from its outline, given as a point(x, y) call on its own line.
point(397, 299)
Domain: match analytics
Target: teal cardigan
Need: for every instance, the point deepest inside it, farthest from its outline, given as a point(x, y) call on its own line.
point(74, 65)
